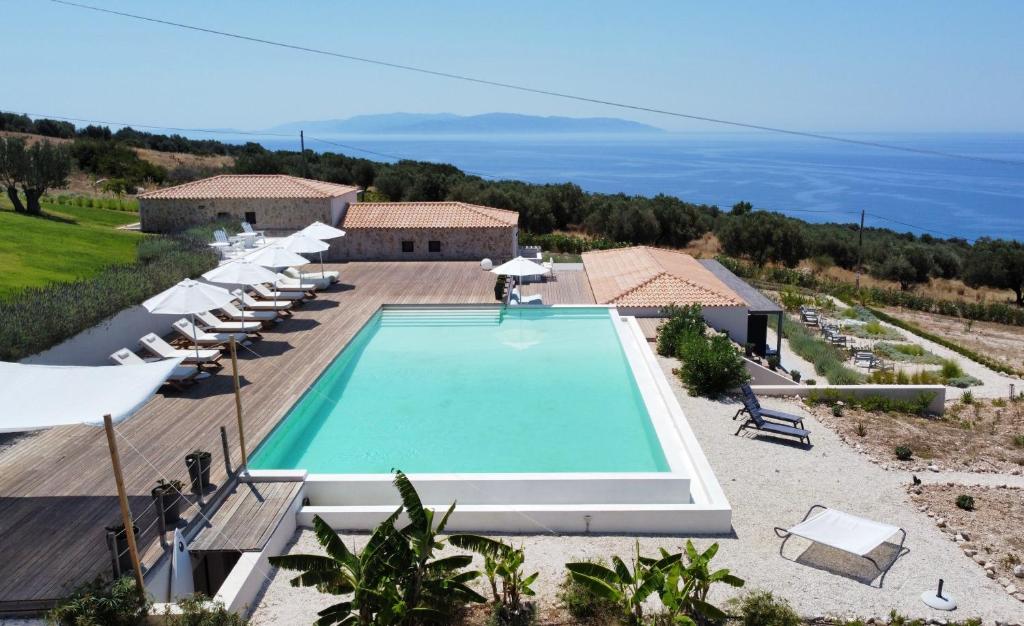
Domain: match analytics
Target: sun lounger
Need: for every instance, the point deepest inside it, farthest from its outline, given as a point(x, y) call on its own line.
point(158, 347)
point(516, 299)
point(264, 293)
point(253, 304)
point(287, 283)
point(756, 421)
point(312, 277)
point(235, 314)
point(201, 337)
point(849, 533)
point(751, 405)
point(214, 324)
point(181, 375)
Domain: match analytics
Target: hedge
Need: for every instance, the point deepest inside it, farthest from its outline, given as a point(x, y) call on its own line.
point(569, 244)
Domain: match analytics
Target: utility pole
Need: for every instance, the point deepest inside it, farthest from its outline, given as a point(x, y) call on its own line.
point(860, 246)
point(302, 144)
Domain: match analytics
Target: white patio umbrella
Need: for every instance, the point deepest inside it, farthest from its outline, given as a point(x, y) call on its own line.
point(319, 230)
point(241, 272)
point(302, 243)
point(520, 267)
point(277, 257)
point(188, 298)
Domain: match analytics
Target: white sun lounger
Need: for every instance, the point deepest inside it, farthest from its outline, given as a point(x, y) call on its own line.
point(247, 316)
point(287, 283)
point(203, 338)
point(217, 325)
point(253, 304)
point(842, 531)
point(517, 299)
point(158, 347)
point(329, 275)
point(179, 375)
point(267, 294)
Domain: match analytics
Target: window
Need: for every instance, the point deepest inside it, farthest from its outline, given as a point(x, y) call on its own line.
point(250, 216)
point(434, 246)
point(407, 246)
point(222, 216)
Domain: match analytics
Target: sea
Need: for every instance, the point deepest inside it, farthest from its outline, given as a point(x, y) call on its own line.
point(816, 180)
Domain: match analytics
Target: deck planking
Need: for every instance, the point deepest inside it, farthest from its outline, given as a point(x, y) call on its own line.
point(56, 489)
point(246, 519)
point(564, 287)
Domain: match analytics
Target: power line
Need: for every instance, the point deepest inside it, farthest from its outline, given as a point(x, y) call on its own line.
point(539, 91)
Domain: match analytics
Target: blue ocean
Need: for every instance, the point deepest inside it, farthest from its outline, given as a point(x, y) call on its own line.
point(812, 179)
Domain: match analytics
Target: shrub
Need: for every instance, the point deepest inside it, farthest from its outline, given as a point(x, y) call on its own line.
point(681, 322)
point(904, 453)
point(97, 602)
point(967, 397)
point(762, 608)
point(862, 430)
point(965, 502)
point(795, 375)
point(951, 369)
point(810, 382)
point(710, 366)
point(827, 359)
point(1018, 441)
point(837, 410)
point(583, 604)
point(199, 610)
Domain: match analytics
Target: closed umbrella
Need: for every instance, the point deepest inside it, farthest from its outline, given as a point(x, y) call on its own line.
point(277, 257)
point(241, 272)
point(188, 298)
point(302, 243)
point(319, 230)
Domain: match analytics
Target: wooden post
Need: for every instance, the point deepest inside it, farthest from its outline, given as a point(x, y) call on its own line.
point(126, 514)
point(238, 401)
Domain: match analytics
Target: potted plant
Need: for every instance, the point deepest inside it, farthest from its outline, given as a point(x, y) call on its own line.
point(168, 496)
point(198, 463)
point(124, 559)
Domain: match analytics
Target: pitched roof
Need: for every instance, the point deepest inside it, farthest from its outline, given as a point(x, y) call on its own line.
point(247, 186)
point(426, 215)
point(654, 277)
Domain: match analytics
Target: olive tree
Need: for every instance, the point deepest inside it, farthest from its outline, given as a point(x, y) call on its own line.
point(34, 169)
point(997, 263)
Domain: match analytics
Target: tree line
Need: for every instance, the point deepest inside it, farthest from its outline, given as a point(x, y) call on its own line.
point(760, 236)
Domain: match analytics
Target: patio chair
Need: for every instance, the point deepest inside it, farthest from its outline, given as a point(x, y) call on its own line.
point(156, 346)
point(282, 308)
point(863, 358)
point(264, 293)
point(851, 534)
point(235, 314)
point(179, 376)
point(194, 335)
point(751, 404)
point(756, 421)
point(312, 277)
point(214, 324)
point(878, 364)
point(549, 265)
point(248, 230)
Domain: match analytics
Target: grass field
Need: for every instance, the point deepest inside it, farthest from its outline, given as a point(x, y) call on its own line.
point(66, 243)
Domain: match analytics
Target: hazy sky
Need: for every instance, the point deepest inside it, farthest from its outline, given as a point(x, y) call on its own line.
point(811, 65)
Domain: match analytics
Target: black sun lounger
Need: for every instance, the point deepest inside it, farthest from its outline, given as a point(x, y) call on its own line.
point(757, 422)
point(750, 403)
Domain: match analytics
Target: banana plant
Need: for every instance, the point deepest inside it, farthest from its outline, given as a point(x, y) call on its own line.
point(627, 589)
point(503, 563)
point(686, 586)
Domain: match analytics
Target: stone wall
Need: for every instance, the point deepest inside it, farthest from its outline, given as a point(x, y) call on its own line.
point(363, 244)
point(272, 214)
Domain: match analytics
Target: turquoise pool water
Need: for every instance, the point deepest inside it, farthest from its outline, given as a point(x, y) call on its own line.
point(524, 390)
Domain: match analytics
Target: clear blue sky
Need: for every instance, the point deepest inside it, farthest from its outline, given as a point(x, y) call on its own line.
point(812, 65)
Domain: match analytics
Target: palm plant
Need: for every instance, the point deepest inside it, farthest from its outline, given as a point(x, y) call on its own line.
point(686, 587)
point(627, 589)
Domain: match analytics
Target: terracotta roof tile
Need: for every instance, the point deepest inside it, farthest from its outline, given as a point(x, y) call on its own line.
point(245, 186)
point(654, 277)
point(426, 215)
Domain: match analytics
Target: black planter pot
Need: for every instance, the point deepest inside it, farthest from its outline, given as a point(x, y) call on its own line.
point(198, 464)
point(170, 502)
point(124, 559)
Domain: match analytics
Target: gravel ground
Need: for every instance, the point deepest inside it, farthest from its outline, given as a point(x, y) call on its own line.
point(768, 484)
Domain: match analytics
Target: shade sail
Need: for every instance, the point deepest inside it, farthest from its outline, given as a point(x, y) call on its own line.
point(319, 230)
point(35, 397)
point(520, 267)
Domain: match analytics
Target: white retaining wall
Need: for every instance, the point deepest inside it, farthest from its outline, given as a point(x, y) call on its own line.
point(895, 392)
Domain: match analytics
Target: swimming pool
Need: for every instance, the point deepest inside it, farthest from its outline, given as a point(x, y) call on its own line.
point(475, 390)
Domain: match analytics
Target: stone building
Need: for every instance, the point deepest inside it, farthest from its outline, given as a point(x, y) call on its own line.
point(421, 231)
point(277, 204)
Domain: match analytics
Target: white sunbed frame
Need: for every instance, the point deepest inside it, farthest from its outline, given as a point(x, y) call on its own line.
point(806, 531)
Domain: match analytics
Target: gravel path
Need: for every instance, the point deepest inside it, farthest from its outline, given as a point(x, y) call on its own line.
point(768, 484)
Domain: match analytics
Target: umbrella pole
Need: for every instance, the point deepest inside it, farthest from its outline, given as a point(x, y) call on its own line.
point(323, 274)
point(126, 515)
point(195, 338)
point(238, 401)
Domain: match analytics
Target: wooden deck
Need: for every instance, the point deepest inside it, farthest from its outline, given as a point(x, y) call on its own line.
point(565, 287)
point(247, 518)
point(56, 490)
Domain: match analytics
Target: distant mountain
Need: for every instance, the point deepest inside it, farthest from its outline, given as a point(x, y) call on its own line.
point(451, 124)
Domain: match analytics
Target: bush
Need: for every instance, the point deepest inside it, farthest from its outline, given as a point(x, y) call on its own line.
point(795, 375)
point(965, 502)
point(828, 360)
point(967, 397)
point(762, 608)
point(904, 453)
point(1018, 441)
point(585, 605)
point(837, 410)
point(710, 366)
point(681, 322)
point(199, 610)
point(951, 369)
point(100, 603)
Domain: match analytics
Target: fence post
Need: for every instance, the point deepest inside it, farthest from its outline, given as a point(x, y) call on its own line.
point(161, 523)
point(227, 453)
point(115, 558)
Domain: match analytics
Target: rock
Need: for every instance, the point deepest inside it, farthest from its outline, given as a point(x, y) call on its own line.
point(990, 573)
point(941, 522)
point(1018, 571)
point(978, 559)
point(933, 468)
point(1011, 589)
point(969, 553)
point(930, 514)
point(965, 535)
point(1003, 581)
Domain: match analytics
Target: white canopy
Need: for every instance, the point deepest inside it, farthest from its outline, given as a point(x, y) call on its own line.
point(35, 397)
point(319, 230)
point(302, 243)
point(276, 256)
point(240, 272)
point(846, 532)
point(520, 267)
point(188, 296)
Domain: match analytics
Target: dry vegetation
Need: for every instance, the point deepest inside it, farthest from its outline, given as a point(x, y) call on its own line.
point(998, 341)
point(941, 288)
point(976, 437)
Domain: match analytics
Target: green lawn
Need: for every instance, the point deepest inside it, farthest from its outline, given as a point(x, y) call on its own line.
point(66, 243)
